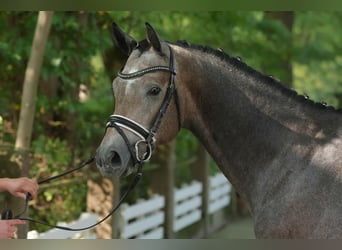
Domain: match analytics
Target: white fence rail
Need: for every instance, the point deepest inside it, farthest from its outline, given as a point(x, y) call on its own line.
point(145, 219)
point(219, 192)
point(85, 219)
point(188, 202)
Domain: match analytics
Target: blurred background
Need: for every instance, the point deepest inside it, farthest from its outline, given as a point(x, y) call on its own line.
point(74, 99)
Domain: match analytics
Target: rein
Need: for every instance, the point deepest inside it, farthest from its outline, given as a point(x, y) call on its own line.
point(118, 122)
point(7, 214)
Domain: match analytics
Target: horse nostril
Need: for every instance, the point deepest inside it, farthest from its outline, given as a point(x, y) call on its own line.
point(115, 159)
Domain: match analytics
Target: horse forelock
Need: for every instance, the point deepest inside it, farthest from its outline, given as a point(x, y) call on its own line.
point(143, 45)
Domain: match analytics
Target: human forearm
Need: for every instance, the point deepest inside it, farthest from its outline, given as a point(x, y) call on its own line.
point(4, 184)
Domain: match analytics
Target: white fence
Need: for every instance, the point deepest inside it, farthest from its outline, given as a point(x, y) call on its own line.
point(219, 192)
point(145, 219)
point(188, 202)
point(85, 219)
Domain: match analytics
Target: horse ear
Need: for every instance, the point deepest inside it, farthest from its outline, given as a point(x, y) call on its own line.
point(153, 38)
point(125, 42)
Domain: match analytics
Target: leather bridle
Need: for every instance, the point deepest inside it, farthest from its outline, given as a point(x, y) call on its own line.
point(146, 136)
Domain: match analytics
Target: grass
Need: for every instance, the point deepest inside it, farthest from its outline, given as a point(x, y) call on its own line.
point(240, 228)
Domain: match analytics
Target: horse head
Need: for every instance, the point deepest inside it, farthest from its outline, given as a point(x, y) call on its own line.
point(146, 107)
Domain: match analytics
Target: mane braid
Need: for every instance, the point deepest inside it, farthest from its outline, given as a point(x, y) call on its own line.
point(236, 62)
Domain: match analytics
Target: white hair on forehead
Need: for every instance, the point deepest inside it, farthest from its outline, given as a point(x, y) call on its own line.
point(129, 85)
point(135, 68)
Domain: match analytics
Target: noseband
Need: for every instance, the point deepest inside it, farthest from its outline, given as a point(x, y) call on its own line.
point(146, 136)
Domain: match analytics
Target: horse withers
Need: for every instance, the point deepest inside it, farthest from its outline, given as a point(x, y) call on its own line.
point(281, 151)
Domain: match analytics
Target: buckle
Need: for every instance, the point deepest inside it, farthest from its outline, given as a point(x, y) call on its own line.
point(147, 155)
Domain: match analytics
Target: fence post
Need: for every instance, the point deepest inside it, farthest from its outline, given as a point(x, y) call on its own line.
point(200, 172)
point(162, 182)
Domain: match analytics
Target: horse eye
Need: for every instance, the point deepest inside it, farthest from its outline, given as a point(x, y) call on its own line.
point(154, 91)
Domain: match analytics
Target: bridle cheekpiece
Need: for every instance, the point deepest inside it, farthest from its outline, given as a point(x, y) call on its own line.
point(146, 135)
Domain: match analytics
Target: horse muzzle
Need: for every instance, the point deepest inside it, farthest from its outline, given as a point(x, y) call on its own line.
point(112, 158)
point(120, 152)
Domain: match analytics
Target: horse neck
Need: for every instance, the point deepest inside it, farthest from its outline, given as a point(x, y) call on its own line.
point(245, 121)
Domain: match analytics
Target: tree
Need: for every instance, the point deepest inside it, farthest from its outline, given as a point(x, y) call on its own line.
point(285, 63)
point(29, 96)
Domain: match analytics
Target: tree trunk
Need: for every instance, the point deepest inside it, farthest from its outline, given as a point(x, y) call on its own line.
point(28, 103)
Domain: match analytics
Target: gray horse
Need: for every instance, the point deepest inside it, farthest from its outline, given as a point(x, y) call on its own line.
point(280, 150)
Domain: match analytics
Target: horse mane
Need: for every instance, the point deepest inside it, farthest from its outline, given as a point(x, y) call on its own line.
point(270, 80)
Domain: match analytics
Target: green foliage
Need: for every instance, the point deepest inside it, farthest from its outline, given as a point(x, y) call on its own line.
point(186, 146)
point(60, 203)
point(67, 199)
point(317, 51)
point(52, 155)
point(67, 66)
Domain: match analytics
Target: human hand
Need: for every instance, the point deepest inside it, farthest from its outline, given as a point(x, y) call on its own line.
point(20, 186)
point(8, 228)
